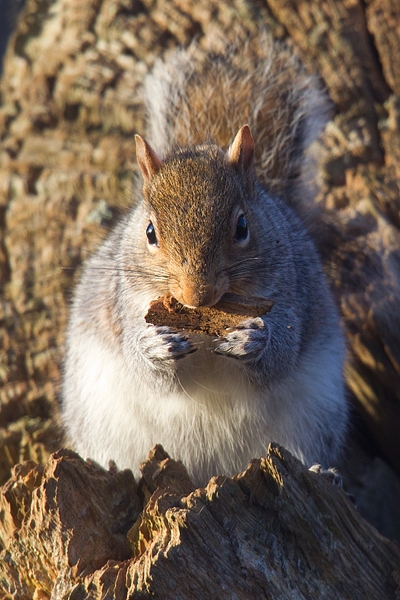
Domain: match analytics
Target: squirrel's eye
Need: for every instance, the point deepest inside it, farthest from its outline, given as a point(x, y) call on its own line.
point(241, 229)
point(151, 234)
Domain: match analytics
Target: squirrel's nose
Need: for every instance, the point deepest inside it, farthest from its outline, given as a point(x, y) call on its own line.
point(198, 295)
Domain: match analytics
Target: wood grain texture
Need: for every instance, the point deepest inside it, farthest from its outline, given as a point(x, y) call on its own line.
point(275, 531)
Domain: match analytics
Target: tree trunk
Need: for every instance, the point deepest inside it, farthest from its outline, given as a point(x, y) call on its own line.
point(275, 531)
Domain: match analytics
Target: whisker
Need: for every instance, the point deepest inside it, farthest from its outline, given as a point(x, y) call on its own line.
point(136, 270)
point(187, 394)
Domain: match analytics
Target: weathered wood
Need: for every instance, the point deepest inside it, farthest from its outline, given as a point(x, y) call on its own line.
point(383, 22)
point(62, 521)
point(275, 531)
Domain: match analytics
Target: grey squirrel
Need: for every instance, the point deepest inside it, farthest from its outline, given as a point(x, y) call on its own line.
point(224, 206)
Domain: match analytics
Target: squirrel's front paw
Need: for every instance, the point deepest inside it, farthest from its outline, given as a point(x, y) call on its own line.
point(246, 342)
point(162, 345)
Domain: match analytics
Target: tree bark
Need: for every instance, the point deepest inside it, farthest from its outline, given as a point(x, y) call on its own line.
point(275, 531)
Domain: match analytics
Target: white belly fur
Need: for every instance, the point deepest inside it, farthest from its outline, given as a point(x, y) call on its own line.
point(215, 421)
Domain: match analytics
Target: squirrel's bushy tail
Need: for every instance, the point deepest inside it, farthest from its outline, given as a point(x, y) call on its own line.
point(207, 92)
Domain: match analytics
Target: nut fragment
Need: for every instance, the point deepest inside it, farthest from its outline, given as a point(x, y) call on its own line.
point(230, 311)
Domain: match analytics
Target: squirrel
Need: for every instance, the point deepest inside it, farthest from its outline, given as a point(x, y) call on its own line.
point(224, 207)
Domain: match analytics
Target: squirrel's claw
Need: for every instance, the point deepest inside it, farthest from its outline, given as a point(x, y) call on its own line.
point(162, 345)
point(246, 342)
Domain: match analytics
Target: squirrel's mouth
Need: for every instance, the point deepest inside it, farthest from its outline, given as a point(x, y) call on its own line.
point(196, 295)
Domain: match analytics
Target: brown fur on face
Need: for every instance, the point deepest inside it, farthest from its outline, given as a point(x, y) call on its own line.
point(203, 191)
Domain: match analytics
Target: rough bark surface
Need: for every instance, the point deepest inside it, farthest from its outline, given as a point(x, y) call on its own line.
point(275, 531)
point(70, 104)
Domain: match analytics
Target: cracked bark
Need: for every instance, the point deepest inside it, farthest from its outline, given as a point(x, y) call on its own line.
point(275, 531)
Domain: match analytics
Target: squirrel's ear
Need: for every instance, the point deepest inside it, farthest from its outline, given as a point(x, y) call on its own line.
point(148, 161)
point(241, 152)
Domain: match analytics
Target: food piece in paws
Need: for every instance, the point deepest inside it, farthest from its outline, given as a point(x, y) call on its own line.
point(229, 312)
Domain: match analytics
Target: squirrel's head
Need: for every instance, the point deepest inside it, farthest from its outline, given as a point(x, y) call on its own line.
point(198, 224)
